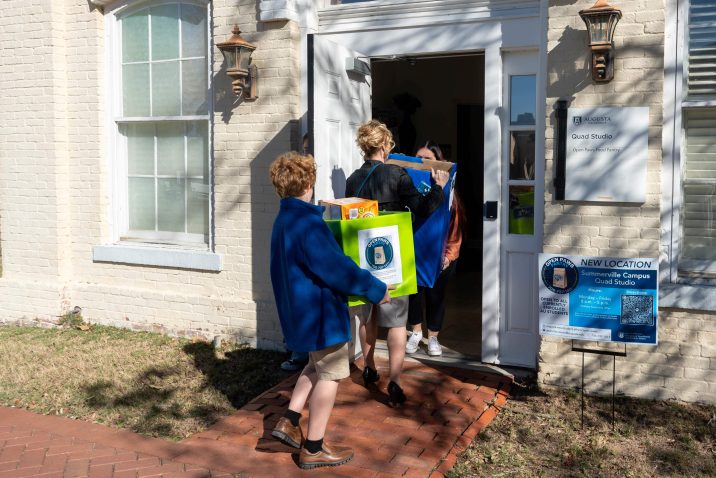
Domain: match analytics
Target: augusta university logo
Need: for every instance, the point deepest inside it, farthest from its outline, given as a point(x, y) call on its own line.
point(379, 253)
point(577, 120)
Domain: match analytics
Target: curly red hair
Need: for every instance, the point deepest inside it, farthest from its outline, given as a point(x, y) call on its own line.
point(292, 174)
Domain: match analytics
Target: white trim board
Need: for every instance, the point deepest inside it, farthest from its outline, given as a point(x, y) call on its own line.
point(403, 13)
point(157, 256)
point(518, 33)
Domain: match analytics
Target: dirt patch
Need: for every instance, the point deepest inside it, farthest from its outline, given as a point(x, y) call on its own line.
point(538, 434)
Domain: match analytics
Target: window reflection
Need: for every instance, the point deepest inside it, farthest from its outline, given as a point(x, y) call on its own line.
point(523, 99)
point(522, 210)
point(522, 155)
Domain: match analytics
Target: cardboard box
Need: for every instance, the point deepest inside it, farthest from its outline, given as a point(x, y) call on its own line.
point(420, 163)
point(429, 234)
point(382, 245)
point(349, 208)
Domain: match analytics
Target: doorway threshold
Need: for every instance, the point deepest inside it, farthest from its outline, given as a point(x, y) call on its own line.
point(449, 358)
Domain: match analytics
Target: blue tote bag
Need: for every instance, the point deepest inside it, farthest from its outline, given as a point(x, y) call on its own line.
point(429, 234)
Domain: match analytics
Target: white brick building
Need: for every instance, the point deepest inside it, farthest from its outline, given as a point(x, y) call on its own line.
point(133, 182)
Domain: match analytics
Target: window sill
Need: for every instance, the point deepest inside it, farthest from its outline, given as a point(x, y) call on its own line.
point(687, 296)
point(161, 256)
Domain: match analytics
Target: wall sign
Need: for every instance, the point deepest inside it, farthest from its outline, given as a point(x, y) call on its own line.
point(607, 149)
point(605, 299)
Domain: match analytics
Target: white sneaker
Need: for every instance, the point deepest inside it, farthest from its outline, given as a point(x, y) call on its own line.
point(434, 348)
point(413, 342)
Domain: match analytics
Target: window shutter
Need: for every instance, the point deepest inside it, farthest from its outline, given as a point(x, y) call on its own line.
point(702, 49)
point(699, 198)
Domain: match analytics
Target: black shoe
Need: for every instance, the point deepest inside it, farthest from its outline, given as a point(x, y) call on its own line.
point(396, 397)
point(370, 375)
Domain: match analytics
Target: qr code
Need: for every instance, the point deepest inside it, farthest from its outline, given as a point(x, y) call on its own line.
point(637, 310)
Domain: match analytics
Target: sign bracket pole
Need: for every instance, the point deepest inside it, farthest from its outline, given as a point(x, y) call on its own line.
point(614, 355)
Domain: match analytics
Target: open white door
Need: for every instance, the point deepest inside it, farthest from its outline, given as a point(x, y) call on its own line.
point(339, 100)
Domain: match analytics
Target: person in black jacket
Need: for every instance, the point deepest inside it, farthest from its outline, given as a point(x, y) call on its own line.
point(391, 186)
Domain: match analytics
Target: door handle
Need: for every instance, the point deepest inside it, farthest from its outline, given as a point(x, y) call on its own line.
point(490, 210)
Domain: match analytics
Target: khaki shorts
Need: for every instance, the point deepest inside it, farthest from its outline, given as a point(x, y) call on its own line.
point(330, 363)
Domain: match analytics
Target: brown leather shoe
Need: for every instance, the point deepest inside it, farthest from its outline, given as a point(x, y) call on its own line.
point(287, 433)
point(328, 456)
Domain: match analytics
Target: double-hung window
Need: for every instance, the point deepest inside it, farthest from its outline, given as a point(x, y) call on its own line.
point(161, 116)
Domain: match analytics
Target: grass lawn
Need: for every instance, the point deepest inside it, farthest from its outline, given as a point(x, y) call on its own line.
point(148, 383)
point(538, 434)
point(172, 388)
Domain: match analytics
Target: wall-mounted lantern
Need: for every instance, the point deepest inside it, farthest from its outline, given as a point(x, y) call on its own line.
point(237, 53)
point(601, 20)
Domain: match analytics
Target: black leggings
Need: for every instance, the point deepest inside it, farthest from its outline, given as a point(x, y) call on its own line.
point(434, 302)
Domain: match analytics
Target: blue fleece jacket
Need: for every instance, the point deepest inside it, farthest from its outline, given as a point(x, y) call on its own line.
point(311, 278)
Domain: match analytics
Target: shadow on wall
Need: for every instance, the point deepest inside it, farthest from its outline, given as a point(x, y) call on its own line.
point(679, 367)
point(574, 76)
point(255, 198)
point(264, 207)
point(565, 75)
point(252, 141)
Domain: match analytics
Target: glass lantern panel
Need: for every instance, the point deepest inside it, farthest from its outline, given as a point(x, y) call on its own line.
point(244, 58)
point(600, 25)
point(612, 26)
point(165, 32)
point(229, 57)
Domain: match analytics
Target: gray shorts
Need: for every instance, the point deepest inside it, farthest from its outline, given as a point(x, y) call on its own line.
point(394, 314)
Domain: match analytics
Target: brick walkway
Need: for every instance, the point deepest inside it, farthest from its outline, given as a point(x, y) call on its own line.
point(446, 409)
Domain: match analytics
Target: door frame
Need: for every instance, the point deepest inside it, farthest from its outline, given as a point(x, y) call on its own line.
point(519, 331)
point(490, 37)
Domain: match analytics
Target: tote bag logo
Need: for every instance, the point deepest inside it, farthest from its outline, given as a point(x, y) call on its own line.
point(379, 253)
point(560, 275)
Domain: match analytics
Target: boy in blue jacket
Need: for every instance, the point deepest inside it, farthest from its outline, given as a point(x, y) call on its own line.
point(311, 278)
